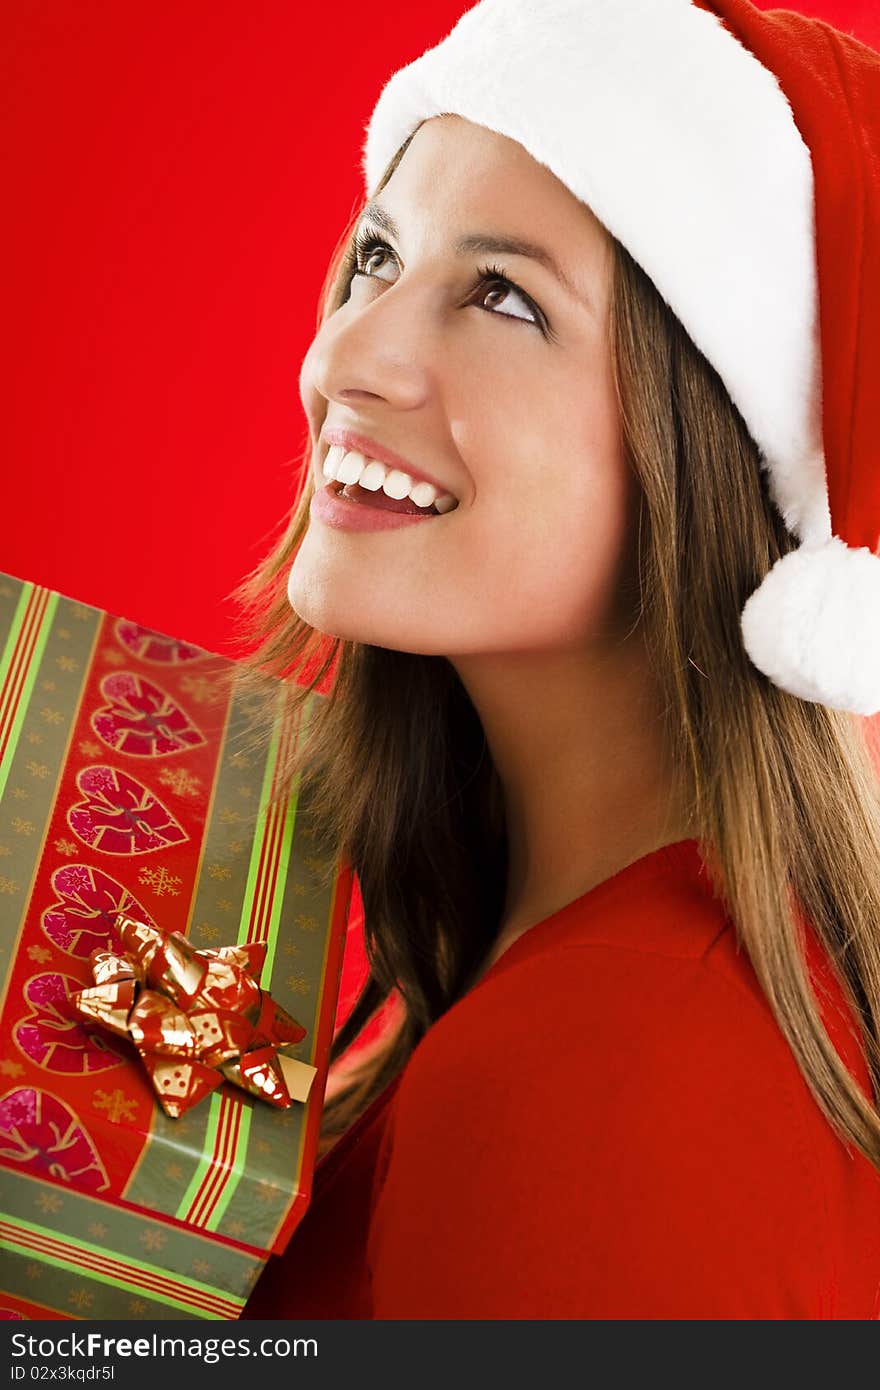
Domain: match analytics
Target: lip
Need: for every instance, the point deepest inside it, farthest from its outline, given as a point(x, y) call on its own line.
point(342, 514)
point(349, 439)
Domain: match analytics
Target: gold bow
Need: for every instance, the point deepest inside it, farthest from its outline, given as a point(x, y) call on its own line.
point(195, 1017)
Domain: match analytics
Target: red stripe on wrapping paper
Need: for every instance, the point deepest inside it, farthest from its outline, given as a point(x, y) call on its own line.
point(220, 1166)
point(30, 624)
point(23, 651)
point(275, 822)
point(267, 850)
point(289, 733)
point(119, 1271)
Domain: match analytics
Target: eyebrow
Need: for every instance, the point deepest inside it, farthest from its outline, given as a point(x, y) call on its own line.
point(487, 243)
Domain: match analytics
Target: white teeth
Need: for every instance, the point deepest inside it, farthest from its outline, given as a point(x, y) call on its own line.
point(335, 455)
point(397, 484)
point(423, 494)
point(373, 475)
point(351, 466)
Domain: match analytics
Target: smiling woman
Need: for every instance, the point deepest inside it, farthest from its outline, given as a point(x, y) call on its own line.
point(619, 851)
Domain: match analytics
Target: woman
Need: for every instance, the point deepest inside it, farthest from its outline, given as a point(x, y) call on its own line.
point(617, 835)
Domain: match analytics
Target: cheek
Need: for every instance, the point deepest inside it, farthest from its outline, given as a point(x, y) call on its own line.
point(550, 537)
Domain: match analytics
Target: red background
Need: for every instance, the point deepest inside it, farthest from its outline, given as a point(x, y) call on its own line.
point(175, 178)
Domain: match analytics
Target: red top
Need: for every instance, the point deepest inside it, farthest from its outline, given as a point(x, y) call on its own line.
point(610, 1124)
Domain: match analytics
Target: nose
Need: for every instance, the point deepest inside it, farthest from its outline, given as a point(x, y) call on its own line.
point(371, 350)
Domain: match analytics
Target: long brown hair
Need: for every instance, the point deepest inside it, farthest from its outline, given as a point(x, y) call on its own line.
point(785, 792)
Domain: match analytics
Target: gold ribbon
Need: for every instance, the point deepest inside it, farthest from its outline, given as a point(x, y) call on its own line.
point(195, 1017)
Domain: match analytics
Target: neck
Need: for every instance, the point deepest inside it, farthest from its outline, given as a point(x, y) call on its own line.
point(589, 784)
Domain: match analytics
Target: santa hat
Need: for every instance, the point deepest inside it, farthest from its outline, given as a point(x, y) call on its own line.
point(736, 155)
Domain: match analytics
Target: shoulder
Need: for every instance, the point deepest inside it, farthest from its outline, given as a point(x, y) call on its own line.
point(632, 1121)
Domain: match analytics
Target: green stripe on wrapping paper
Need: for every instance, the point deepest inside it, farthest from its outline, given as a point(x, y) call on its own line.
point(230, 1303)
point(32, 668)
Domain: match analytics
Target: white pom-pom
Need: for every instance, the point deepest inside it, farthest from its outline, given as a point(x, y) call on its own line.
point(813, 626)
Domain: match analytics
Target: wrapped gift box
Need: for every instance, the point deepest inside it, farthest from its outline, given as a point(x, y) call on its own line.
point(134, 777)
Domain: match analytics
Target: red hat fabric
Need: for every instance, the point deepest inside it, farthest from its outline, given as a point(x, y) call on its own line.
point(736, 154)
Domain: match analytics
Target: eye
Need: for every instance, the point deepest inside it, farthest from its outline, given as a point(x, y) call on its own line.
point(362, 261)
point(365, 251)
point(494, 279)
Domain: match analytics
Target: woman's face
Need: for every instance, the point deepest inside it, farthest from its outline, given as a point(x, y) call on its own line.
point(502, 394)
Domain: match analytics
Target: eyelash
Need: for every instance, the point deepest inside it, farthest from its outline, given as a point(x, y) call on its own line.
point(367, 242)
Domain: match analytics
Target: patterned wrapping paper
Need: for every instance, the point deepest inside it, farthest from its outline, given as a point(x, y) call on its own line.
point(130, 779)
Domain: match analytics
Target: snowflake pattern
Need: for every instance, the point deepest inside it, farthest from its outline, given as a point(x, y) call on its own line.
point(22, 827)
point(89, 747)
point(153, 1239)
point(137, 1307)
point(220, 871)
point(180, 781)
point(40, 954)
point(37, 769)
point(208, 932)
point(298, 983)
point(161, 882)
point(116, 1106)
point(66, 847)
point(49, 1201)
point(81, 1298)
point(67, 663)
point(305, 923)
point(35, 738)
point(200, 689)
point(8, 885)
point(97, 1230)
point(8, 1068)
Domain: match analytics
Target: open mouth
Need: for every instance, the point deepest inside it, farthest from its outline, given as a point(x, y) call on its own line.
point(379, 500)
